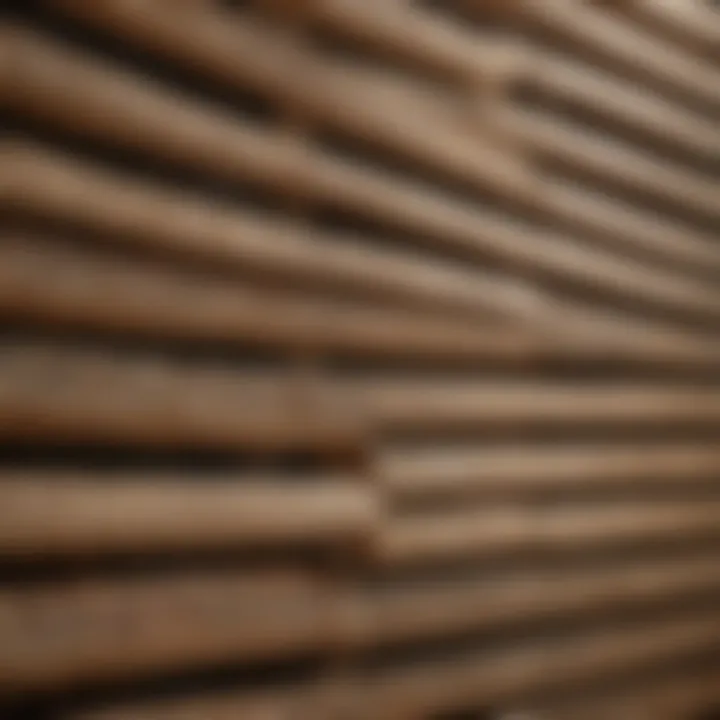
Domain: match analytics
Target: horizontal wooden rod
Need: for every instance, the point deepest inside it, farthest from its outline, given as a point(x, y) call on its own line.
point(416, 210)
point(491, 678)
point(629, 51)
point(53, 284)
point(60, 513)
point(170, 221)
point(628, 229)
point(417, 404)
point(50, 283)
point(59, 636)
point(101, 628)
point(692, 25)
point(525, 470)
point(618, 164)
point(45, 182)
point(501, 531)
point(75, 395)
point(621, 103)
point(421, 40)
point(336, 94)
point(679, 696)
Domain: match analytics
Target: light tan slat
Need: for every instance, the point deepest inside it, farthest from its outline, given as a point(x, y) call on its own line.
point(690, 24)
point(666, 698)
point(58, 636)
point(37, 180)
point(76, 395)
point(58, 513)
point(242, 53)
point(50, 283)
point(623, 103)
point(630, 229)
point(119, 108)
point(409, 404)
point(506, 676)
point(295, 703)
point(619, 164)
point(424, 41)
point(622, 48)
point(505, 529)
point(433, 609)
point(427, 471)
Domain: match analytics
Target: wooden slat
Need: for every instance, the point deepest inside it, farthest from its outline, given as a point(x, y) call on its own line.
point(618, 164)
point(65, 395)
point(137, 627)
point(679, 697)
point(53, 284)
point(241, 53)
point(62, 635)
point(276, 704)
point(414, 404)
point(630, 51)
point(503, 530)
point(527, 470)
point(57, 513)
point(45, 182)
point(623, 104)
point(418, 38)
point(491, 678)
point(692, 25)
point(121, 109)
point(491, 602)
point(630, 229)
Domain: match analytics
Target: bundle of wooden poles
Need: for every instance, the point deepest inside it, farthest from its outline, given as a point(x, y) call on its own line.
point(360, 359)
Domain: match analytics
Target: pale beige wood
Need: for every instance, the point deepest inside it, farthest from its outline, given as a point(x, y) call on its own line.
point(623, 103)
point(619, 164)
point(505, 529)
point(691, 24)
point(464, 471)
point(57, 513)
point(406, 403)
point(592, 33)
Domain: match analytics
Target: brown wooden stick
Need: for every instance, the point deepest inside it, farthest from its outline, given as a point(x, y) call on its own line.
point(58, 513)
point(414, 404)
point(505, 530)
point(521, 470)
point(115, 103)
point(95, 630)
point(54, 394)
point(490, 678)
point(43, 182)
point(609, 161)
point(49, 283)
point(627, 50)
point(621, 103)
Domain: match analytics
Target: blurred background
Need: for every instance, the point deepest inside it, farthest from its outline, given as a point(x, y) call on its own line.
point(360, 360)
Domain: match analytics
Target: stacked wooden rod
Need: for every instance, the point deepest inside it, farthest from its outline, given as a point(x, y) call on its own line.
point(360, 360)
